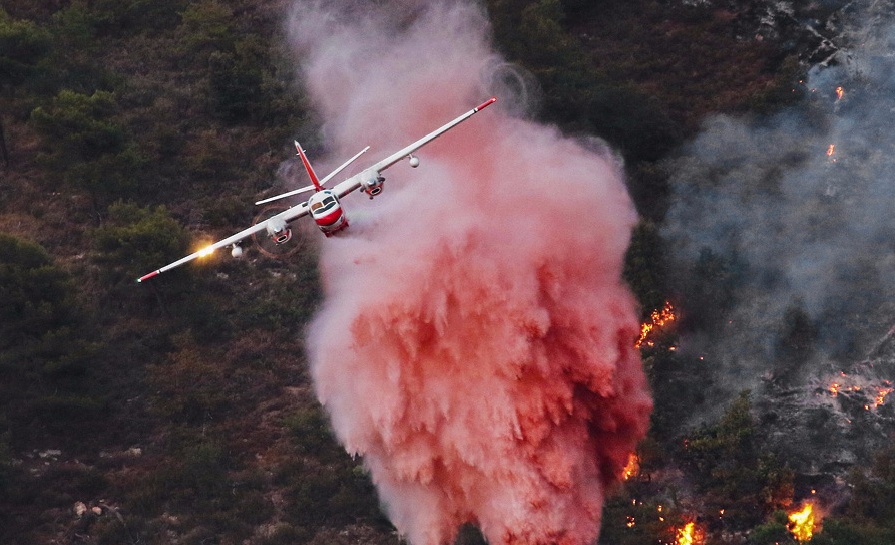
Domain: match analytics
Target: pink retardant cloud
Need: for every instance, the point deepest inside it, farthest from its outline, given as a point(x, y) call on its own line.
point(476, 341)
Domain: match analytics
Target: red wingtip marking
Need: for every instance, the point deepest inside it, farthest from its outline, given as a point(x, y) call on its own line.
point(147, 276)
point(487, 103)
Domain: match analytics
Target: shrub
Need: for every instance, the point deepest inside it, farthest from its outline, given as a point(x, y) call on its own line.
point(188, 387)
point(311, 432)
point(83, 140)
point(135, 240)
point(23, 45)
point(36, 294)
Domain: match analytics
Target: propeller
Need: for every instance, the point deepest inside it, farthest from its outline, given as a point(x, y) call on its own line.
point(266, 245)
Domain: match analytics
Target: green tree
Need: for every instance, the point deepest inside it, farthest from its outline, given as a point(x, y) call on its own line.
point(45, 373)
point(732, 470)
point(873, 497)
point(773, 532)
point(311, 432)
point(83, 140)
point(72, 64)
point(187, 387)
point(119, 16)
point(327, 487)
point(35, 293)
point(710, 290)
point(134, 240)
point(75, 27)
point(644, 266)
point(532, 33)
point(206, 27)
point(235, 86)
point(23, 45)
point(844, 531)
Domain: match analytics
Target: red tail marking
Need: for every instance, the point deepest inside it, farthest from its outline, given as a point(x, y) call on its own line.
point(313, 175)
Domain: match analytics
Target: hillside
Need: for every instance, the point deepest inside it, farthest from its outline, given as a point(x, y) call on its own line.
point(182, 411)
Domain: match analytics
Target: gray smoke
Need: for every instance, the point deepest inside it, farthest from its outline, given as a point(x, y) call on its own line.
point(782, 228)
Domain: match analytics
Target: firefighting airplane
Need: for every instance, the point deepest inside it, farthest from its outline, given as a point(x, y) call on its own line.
point(324, 205)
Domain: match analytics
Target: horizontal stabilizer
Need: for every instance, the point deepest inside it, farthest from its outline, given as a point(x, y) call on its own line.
point(321, 182)
point(284, 195)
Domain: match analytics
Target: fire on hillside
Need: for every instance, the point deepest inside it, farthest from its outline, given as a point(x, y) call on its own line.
point(632, 468)
point(689, 535)
point(802, 522)
point(874, 392)
point(658, 320)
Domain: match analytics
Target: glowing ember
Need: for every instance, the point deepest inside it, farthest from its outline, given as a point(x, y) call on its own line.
point(881, 396)
point(658, 319)
point(801, 523)
point(831, 150)
point(882, 392)
point(687, 534)
point(840, 92)
point(632, 468)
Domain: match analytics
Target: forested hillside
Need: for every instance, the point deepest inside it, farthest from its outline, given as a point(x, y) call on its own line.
point(181, 411)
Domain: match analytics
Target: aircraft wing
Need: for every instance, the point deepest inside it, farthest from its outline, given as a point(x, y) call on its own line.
point(342, 189)
point(288, 215)
point(355, 182)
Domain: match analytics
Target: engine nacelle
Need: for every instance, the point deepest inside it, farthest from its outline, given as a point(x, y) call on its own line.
point(236, 252)
point(414, 161)
point(372, 184)
point(278, 230)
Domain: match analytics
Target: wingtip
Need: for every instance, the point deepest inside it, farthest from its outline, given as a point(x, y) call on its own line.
point(487, 103)
point(146, 276)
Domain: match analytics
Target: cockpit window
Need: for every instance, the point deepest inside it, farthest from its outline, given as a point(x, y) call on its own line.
point(324, 205)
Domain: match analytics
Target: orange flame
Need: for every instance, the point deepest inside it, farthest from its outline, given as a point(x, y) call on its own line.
point(687, 535)
point(882, 392)
point(881, 396)
point(658, 319)
point(831, 150)
point(633, 467)
point(801, 523)
point(840, 92)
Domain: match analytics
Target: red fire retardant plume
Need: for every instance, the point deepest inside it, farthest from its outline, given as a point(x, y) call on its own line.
point(476, 341)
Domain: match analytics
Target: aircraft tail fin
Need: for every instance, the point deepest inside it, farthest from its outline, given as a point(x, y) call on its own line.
point(304, 160)
point(318, 184)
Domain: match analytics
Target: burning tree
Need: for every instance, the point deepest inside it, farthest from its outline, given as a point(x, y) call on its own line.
point(632, 468)
point(732, 470)
point(658, 320)
point(801, 523)
point(689, 535)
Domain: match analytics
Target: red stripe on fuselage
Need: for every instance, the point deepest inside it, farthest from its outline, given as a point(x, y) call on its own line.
point(329, 219)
